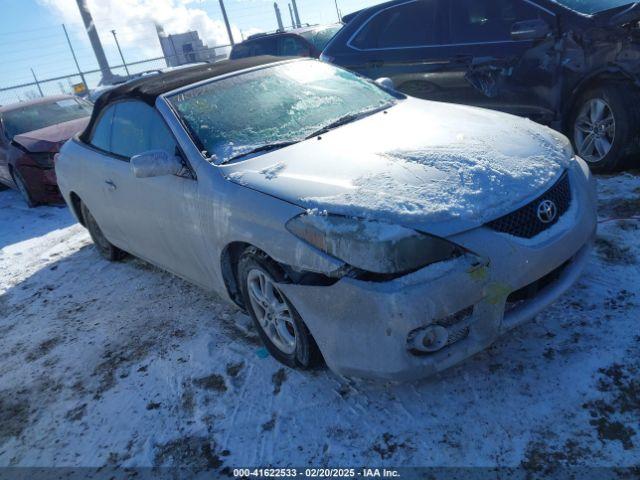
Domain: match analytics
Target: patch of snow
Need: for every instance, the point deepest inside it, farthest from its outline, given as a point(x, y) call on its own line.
point(121, 364)
point(464, 180)
point(272, 172)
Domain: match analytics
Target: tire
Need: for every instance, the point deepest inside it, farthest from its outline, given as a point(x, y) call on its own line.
point(104, 247)
point(285, 335)
point(606, 141)
point(23, 188)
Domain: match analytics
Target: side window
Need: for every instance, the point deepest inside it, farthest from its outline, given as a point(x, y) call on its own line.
point(101, 137)
point(291, 46)
point(137, 127)
point(241, 51)
point(412, 24)
point(266, 46)
point(475, 21)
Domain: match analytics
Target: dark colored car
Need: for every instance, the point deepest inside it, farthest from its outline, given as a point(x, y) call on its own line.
point(301, 42)
point(571, 64)
point(31, 133)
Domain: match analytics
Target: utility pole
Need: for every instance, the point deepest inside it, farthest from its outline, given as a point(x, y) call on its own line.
point(278, 17)
point(37, 82)
point(226, 22)
point(126, 69)
point(75, 59)
point(87, 19)
point(296, 13)
point(293, 20)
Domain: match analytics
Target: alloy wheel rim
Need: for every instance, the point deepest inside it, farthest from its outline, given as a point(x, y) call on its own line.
point(595, 130)
point(272, 311)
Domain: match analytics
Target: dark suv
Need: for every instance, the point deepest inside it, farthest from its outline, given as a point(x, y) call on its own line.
point(300, 42)
point(572, 64)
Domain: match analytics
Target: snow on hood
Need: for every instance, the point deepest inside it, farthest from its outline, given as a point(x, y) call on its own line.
point(437, 167)
point(50, 139)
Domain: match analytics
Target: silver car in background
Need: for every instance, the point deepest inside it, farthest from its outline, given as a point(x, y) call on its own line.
point(390, 237)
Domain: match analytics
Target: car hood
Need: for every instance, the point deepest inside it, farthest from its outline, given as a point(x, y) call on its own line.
point(50, 139)
point(439, 168)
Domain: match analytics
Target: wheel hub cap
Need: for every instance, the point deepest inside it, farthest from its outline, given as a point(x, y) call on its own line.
point(272, 311)
point(595, 130)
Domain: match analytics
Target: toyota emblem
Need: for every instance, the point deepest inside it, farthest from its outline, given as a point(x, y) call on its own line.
point(547, 211)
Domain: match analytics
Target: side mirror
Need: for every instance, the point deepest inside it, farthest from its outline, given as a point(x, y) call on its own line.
point(155, 163)
point(530, 30)
point(386, 83)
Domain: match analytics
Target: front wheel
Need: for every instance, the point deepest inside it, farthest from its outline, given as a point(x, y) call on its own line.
point(604, 126)
point(281, 328)
point(104, 247)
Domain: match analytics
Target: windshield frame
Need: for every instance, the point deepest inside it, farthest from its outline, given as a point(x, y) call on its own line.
point(197, 143)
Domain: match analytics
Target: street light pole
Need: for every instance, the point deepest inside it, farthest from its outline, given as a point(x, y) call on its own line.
point(226, 22)
point(126, 69)
point(295, 12)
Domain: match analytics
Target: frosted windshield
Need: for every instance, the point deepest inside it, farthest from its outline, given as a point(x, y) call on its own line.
point(284, 103)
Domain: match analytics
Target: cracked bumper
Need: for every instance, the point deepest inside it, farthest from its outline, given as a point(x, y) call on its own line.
point(362, 328)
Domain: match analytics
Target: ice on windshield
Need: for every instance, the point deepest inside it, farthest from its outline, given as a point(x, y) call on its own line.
point(284, 103)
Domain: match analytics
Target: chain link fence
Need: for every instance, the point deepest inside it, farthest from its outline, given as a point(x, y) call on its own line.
point(72, 83)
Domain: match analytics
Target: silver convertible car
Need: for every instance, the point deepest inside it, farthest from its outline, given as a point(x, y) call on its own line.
point(387, 236)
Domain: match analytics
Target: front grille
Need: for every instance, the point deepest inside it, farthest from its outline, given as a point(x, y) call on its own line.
point(525, 222)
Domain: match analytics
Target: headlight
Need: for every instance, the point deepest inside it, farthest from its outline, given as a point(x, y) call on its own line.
point(372, 246)
point(43, 160)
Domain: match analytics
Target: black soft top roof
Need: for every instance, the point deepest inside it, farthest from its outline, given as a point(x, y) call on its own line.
point(149, 88)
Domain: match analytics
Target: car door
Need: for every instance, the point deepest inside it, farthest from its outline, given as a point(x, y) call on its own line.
point(402, 42)
point(155, 216)
point(492, 69)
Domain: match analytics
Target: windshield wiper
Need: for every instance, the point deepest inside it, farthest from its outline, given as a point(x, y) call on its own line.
point(352, 117)
point(263, 148)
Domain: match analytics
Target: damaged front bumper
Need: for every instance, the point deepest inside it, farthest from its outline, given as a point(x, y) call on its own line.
point(365, 329)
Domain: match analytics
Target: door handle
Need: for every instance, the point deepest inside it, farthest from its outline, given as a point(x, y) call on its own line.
point(375, 64)
point(112, 186)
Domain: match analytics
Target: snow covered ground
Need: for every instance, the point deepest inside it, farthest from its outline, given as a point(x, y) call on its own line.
point(124, 365)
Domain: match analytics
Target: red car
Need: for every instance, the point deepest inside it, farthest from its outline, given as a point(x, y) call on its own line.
point(31, 133)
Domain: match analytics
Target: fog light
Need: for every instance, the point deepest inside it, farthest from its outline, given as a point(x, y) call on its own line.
point(431, 339)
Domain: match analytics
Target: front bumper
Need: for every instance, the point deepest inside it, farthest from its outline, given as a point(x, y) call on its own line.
point(362, 327)
point(42, 184)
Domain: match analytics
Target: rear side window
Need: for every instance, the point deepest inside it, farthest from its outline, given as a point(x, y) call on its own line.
point(291, 46)
point(241, 51)
point(102, 132)
point(474, 21)
point(412, 24)
point(130, 128)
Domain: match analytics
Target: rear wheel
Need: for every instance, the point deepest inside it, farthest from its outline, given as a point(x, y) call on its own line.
point(104, 247)
point(23, 188)
point(281, 328)
point(604, 127)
